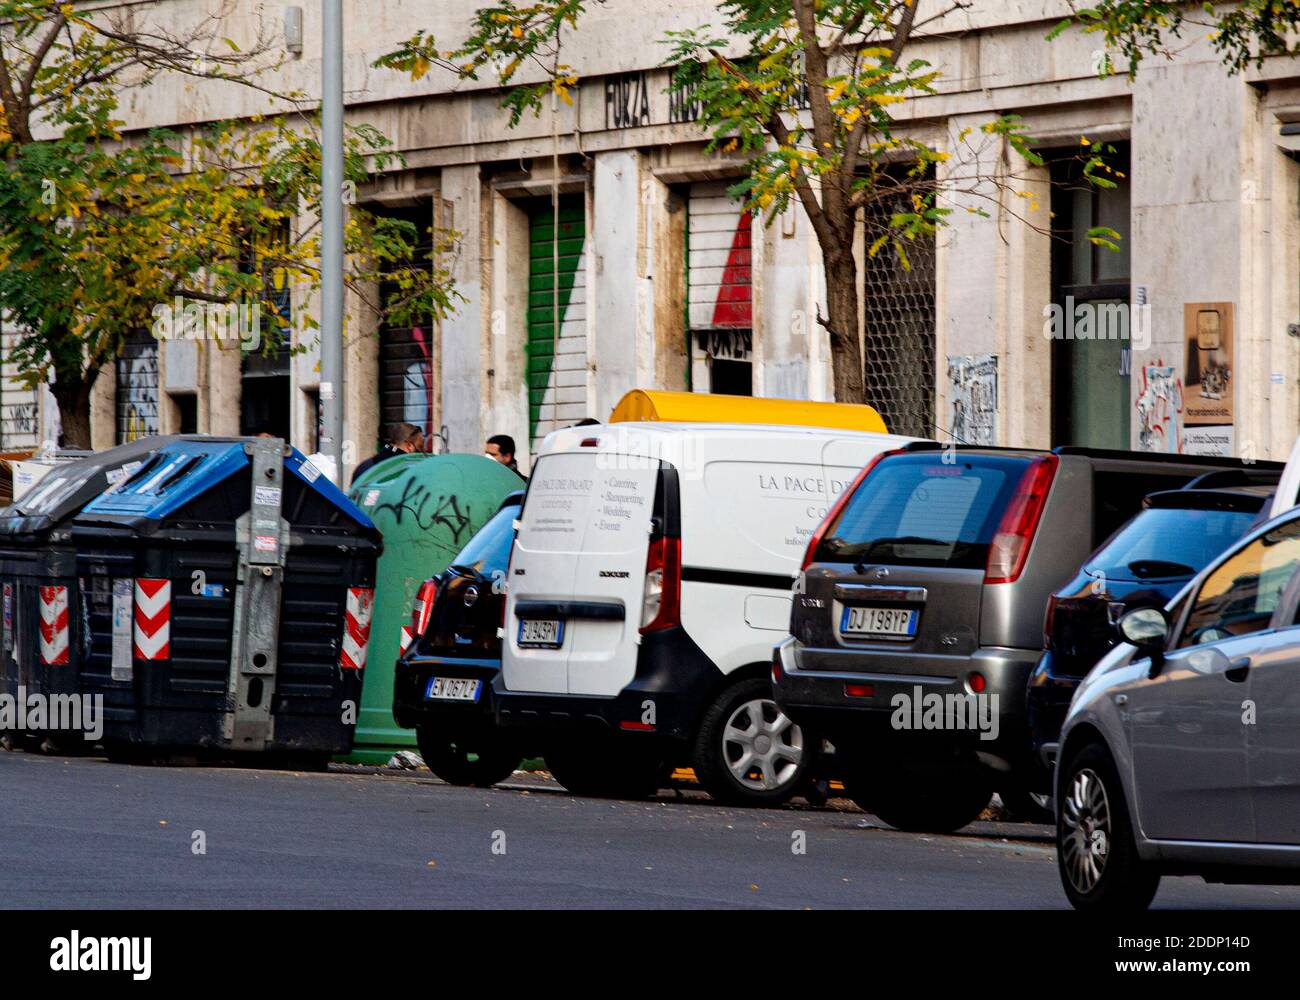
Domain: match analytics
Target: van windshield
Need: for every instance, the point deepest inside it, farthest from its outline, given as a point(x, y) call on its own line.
point(918, 510)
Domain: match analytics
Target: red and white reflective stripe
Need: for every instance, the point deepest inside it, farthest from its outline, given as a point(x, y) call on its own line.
point(153, 619)
point(404, 640)
point(356, 628)
point(54, 625)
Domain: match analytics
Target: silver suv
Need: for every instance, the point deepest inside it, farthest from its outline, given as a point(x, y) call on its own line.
point(918, 616)
point(1181, 750)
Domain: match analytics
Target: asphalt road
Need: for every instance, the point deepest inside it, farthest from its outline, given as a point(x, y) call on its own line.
point(86, 833)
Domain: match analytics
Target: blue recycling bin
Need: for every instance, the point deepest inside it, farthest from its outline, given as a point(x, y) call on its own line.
point(227, 589)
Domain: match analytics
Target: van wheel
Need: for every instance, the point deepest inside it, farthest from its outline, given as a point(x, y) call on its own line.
point(479, 762)
point(921, 802)
point(1095, 849)
point(749, 752)
point(598, 769)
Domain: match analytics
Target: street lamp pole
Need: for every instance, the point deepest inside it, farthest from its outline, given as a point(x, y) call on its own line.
point(331, 330)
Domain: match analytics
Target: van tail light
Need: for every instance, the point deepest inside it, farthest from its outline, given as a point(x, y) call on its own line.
point(816, 540)
point(356, 628)
point(422, 609)
point(1015, 532)
point(1049, 622)
point(661, 603)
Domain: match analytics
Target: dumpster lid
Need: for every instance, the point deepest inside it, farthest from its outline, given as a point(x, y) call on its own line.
point(186, 468)
point(703, 407)
point(67, 487)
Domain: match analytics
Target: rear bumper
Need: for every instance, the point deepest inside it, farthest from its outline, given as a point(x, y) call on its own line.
point(1046, 702)
point(673, 684)
point(411, 679)
point(994, 725)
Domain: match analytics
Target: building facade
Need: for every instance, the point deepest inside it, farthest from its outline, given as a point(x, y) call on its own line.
point(1011, 329)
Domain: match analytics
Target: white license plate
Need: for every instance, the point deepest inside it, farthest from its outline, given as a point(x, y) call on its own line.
point(547, 632)
point(897, 623)
point(452, 689)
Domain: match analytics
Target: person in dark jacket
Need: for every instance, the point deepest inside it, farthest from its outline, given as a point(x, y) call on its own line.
point(403, 439)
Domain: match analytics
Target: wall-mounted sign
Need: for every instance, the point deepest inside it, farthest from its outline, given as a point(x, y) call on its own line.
point(627, 100)
point(1208, 378)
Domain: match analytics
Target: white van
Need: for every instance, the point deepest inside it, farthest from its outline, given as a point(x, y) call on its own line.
point(650, 579)
point(1288, 489)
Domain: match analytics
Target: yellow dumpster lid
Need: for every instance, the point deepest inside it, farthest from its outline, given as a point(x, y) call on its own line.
point(703, 407)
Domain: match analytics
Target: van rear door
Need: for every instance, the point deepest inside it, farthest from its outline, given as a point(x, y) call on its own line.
point(609, 575)
point(577, 575)
point(898, 577)
point(552, 525)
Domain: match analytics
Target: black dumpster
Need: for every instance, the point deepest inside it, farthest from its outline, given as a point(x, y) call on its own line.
point(228, 589)
point(41, 641)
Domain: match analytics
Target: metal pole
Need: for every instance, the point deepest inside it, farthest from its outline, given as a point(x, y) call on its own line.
point(331, 329)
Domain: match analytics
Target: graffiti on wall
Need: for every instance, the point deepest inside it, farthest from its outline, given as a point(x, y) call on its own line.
point(973, 397)
point(1160, 409)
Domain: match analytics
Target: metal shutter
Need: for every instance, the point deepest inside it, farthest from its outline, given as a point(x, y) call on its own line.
point(557, 386)
point(137, 387)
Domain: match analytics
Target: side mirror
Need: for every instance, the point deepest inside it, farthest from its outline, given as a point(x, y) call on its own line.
point(1147, 629)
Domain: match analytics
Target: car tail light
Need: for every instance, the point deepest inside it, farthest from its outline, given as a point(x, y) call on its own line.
point(423, 608)
point(976, 682)
point(859, 690)
point(776, 666)
point(838, 506)
point(1015, 532)
point(1049, 622)
point(661, 603)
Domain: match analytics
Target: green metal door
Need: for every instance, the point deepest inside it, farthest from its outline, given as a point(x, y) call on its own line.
point(557, 291)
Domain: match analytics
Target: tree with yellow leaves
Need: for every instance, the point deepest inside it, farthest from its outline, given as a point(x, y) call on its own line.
point(813, 95)
point(98, 228)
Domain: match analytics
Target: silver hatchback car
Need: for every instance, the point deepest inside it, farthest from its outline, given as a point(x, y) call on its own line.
point(1180, 754)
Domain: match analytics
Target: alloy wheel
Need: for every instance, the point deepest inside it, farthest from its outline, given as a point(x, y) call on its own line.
point(1086, 830)
point(762, 746)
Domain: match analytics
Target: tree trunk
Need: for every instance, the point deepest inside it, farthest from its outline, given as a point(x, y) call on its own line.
point(72, 392)
point(841, 324)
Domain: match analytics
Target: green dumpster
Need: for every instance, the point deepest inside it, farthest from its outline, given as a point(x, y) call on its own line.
point(427, 507)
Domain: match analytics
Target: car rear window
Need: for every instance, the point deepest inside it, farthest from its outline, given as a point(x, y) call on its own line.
point(920, 510)
point(1166, 543)
point(489, 549)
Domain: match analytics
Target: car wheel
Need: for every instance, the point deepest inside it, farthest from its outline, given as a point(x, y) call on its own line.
point(749, 752)
point(921, 802)
point(1095, 849)
point(597, 769)
point(1026, 806)
point(479, 762)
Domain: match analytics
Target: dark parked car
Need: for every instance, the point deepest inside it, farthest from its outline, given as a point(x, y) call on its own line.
point(1143, 565)
point(922, 597)
point(443, 680)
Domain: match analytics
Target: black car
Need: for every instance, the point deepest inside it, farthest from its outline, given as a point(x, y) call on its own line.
point(1144, 564)
point(442, 686)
